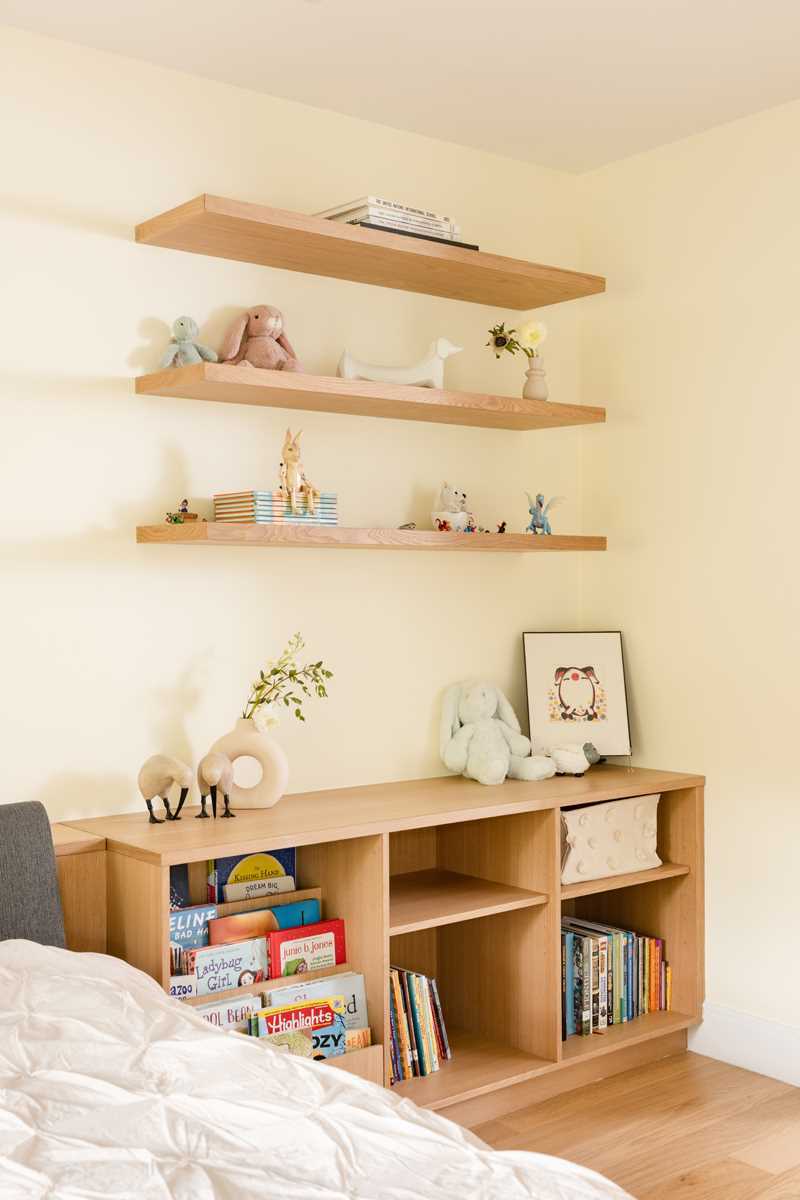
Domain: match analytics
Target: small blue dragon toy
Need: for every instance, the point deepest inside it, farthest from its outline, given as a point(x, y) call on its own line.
point(540, 521)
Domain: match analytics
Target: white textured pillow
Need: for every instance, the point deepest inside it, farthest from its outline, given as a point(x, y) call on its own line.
point(609, 839)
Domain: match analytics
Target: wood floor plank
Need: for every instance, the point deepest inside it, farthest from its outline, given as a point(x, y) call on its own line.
point(685, 1126)
point(724, 1180)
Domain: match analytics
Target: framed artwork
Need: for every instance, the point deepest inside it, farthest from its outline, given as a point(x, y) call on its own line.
point(576, 691)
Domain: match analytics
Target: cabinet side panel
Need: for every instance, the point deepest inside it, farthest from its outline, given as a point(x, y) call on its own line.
point(138, 914)
point(82, 883)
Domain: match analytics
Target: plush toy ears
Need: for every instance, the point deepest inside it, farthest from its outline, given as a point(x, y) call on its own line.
point(450, 720)
point(505, 712)
point(233, 338)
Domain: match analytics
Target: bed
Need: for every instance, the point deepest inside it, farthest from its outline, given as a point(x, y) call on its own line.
point(110, 1088)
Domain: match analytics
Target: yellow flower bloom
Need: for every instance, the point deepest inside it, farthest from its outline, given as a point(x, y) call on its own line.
point(531, 335)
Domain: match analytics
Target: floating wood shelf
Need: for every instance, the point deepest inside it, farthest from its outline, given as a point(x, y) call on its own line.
point(428, 899)
point(335, 537)
point(323, 393)
point(570, 891)
point(295, 242)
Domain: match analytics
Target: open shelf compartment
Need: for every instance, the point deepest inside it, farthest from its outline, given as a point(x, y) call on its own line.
point(472, 906)
point(665, 902)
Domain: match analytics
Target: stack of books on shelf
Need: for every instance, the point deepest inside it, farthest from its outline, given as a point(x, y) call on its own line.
point(371, 212)
point(227, 946)
point(609, 976)
point(272, 508)
point(419, 1042)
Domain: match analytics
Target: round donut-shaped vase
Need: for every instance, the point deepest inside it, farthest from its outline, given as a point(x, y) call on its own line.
point(245, 741)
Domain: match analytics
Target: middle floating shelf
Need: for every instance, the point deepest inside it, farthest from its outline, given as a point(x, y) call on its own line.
point(336, 537)
point(324, 393)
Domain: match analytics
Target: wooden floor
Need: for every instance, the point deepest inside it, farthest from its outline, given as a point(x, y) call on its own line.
point(683, 1127)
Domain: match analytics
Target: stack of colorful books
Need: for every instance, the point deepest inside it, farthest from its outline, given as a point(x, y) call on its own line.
point(609, 976)
point(372, 212)
point(272, 508)
point(419, 1042)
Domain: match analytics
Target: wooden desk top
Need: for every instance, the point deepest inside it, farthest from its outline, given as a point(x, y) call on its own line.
point(313, 817)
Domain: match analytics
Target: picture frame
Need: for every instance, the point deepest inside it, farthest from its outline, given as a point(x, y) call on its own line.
point(577, 691)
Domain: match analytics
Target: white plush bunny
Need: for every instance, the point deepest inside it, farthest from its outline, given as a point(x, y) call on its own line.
point(480, 737)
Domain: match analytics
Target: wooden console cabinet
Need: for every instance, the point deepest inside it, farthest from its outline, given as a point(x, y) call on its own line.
point(462, 882)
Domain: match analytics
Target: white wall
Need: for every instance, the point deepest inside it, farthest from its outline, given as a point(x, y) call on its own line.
point(115, 651)
point(695, 351)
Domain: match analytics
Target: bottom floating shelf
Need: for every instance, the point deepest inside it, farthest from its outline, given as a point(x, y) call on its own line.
point(335, 537)
point(478, 1066)
point(641, 1029)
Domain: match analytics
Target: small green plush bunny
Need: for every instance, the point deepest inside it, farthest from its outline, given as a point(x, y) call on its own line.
point(184, 350)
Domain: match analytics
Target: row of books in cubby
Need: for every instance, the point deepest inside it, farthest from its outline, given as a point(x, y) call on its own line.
point(418, 1035)
point(609, 976)
point(257, 928)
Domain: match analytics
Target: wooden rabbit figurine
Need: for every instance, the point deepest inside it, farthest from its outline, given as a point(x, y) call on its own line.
point(295, 487)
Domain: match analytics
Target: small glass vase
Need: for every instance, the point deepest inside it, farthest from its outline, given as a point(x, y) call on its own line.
point(535, 380)
point(245, 741)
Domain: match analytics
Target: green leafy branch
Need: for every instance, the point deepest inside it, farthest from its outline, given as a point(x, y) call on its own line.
point(286, 682)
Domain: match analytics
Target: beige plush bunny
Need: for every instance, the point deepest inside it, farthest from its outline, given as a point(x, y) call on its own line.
point(296, 488)
point(257, 338)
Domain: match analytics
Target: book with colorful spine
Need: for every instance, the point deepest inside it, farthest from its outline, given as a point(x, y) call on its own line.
point(273, 508)
point(419, 1043)
point(637, 978)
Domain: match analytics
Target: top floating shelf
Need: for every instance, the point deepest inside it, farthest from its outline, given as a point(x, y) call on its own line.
point(295, 242)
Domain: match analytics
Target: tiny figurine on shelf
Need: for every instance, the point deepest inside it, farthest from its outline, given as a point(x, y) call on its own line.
point(184, 349)
point(480, 737)
point(539, 513)
point(574, 759)
point(295, 486)
point(527, 340)
point(215, 772)
point(451, 514)
point(182, 514)
point(408, 525)
point(156, 779)
point(257, 339)
point(428, 372)
point(501, 528)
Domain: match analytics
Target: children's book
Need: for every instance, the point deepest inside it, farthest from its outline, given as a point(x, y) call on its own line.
point(182, 986)
point(231, 1014)
point(188, 930)
point(219, 968)
point(248, 868)
point(439, 1015)
point(253, 889)
point(357, 1039)
point(179, 886)
point(569, 942)
point(258, 922)
point(314, 1029)
point(291, 951)
point(349, 983)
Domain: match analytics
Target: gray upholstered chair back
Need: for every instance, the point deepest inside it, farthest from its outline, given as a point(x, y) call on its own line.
point(30, 903)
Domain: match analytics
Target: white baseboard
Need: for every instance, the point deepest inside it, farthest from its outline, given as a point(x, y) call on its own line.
point(755, 1043)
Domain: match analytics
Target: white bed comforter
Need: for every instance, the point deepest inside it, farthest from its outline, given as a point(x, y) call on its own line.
point(108, 1088)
